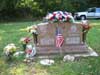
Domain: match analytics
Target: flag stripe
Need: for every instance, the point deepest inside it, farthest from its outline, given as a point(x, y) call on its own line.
point(59, 39)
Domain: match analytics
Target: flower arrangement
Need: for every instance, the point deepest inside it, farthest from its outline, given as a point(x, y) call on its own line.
point(32, 29)
point(30, 52)
point(85, 29)
point(9, 50)
point(34, 32)
point(24, 41)
point(59, 16)
point(85, 25)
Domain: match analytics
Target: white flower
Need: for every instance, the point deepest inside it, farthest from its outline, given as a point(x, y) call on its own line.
point(49, 15)
point(28, 28)
point(22, 39)
point(9, 48)
point(85, 22)
point(32, 29)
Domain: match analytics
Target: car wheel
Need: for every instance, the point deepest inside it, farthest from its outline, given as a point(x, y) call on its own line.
point(83, 17)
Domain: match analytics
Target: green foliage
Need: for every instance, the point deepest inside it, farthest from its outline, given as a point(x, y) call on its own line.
point(38, 8)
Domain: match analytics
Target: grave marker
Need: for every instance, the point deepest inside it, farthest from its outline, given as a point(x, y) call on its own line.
point(72, 33)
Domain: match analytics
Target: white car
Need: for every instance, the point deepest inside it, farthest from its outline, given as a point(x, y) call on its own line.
point(90, 13)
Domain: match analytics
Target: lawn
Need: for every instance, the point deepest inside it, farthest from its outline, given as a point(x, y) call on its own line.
point(11, 32)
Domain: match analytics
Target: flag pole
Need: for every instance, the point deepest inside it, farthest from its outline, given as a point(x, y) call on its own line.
point(61, 53)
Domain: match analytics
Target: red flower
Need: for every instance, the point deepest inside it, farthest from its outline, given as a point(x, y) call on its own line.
point(27, 40)
point(29, 51)
point(60, 19)
point(68, 18)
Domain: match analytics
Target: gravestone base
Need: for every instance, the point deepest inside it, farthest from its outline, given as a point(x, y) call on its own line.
point(67, 49)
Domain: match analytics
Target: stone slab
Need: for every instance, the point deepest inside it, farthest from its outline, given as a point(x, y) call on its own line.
point(68, 49)
point(72, 33)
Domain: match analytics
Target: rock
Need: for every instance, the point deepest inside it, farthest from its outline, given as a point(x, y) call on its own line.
point(68, 58)
point(16, 54)
point(47, 62)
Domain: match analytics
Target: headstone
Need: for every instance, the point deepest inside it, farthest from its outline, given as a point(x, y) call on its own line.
point(46, 35)
point(72, 33)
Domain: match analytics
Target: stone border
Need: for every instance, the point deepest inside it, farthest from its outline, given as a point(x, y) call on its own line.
point(91, 52)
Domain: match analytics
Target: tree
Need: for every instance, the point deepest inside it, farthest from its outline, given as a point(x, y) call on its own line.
point(38, 8)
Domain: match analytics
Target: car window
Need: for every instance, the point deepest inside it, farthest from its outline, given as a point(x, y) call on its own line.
point(91, 10)
point(98, 10)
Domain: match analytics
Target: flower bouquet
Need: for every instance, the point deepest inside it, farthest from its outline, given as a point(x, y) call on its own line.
point(33, 31)
point(85, 29)
point(24, 41)
point(85, 25)
point(30, 53)
point(61, 16)
point(9, 50)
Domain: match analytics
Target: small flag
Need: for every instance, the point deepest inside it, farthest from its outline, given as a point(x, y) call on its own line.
point(59, 38)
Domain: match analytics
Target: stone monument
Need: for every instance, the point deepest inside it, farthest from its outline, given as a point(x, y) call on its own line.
point(72, 33)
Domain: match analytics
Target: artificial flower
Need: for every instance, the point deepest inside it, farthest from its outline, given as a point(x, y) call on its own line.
point(32, 29)
point(10, 48)
point(85, 25)
point(59, 16)
point(25, 40)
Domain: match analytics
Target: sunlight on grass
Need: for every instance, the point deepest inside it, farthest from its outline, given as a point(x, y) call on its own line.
point(17, 70)
point(2, 31)
point(95, 24)
point(41, 72)
point(98, 29)
point(0, 38)
point(23, 29)
point(22, 69)
point(2, 62)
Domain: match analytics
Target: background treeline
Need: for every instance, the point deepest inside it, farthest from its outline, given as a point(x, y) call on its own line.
point(12, 9)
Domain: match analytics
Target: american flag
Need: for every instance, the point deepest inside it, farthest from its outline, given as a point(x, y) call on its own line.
point(59, 38)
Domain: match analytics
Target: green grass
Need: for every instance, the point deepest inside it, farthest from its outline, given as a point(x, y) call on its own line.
point(11, 33)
